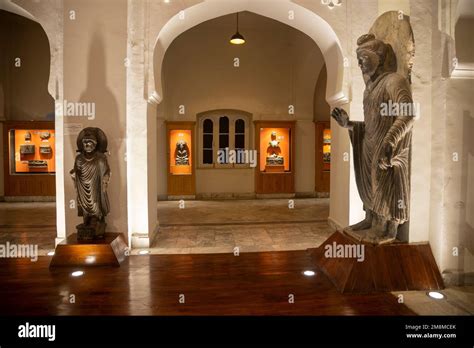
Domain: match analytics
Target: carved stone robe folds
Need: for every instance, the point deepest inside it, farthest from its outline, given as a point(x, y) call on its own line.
point(91, 195)
point(386, 192)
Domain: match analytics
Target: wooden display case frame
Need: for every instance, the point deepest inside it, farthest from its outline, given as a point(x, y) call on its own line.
point(322, 176)
point(181, 185)
point(43, 184)
point(275, 183)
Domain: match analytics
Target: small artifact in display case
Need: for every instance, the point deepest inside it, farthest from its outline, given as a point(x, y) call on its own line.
point(27, 149)
point(45, 135)
point(31, 151)
point(182, 153)
point(327, 149)
point(274, 149)
point(27, 136)
point(45, 149)
point(37, 164)
point(274, 157)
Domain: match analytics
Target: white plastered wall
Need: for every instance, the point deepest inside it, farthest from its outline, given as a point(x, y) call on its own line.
point(451, 228)
point(94, 73)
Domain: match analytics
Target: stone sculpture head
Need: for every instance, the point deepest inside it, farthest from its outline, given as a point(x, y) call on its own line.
point(90, 140)
point(89, 143)
point(181, 144)
point(371, 54)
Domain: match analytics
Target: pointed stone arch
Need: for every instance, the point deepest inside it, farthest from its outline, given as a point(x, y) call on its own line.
point(283, 11)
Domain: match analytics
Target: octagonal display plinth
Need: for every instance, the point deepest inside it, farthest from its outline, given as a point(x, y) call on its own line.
point(389, 267)
point(109, 251)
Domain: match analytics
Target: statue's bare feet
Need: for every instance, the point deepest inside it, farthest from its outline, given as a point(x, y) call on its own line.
point(392, 229)
point(378, 232)
point(364, 224)
point(390, 234)
point(358, 235)
point(383, 233)
point(372, 235)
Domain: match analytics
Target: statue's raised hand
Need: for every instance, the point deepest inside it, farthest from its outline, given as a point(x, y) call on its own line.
point(341, 117)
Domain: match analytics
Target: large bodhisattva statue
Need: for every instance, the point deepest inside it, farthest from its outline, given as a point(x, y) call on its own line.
point(381, 143)
point(91, 175)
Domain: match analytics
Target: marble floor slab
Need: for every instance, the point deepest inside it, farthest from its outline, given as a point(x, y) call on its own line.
point(201, 227)
point(248, 225)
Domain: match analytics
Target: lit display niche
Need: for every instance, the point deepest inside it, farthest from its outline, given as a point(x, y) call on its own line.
point(180, 152)
point(327, 149)
point(31, 151)
point(275, 150)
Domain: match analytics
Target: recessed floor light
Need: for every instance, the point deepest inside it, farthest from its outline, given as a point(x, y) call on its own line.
point(143, 252)
point(51, 253)
point(436, 295)
point(309, 273)
point(77, 273)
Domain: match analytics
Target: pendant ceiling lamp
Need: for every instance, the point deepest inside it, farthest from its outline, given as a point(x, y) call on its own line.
point(237, 38)
point(331, 3)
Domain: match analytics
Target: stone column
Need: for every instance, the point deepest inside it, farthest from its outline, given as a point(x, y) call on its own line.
point(141, 130)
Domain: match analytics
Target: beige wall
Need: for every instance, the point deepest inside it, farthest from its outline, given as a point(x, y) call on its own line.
point(459, 185)
point(279, 66)
point(94, 72)
point(451, 205)
point(25, 88)
point(394, 5)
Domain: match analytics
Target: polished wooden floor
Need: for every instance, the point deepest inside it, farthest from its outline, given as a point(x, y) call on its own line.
point(217, 284)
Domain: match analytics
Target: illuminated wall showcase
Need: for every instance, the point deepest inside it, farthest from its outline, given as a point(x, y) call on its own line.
point(275, 150)
point(31, 151)
point(180, 154)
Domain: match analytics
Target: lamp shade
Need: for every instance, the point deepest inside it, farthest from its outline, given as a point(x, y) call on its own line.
point(237, 39)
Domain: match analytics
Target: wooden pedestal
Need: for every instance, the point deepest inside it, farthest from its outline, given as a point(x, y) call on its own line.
point(274, 179)
point(391, 267)
point(107, 252)
point(274, 168)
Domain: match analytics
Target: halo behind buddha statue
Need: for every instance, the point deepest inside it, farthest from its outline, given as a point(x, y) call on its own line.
point(394, 28)
point(98, 134)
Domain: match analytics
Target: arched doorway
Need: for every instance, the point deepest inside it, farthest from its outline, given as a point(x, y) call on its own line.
point(27, 126)
point(52, 25)
point(141, 194)
point(261, 81)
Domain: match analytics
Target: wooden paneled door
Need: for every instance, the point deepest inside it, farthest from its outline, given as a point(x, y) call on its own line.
point(323, 168)
point(181, 178)
point(26, 184)
point(278, 181)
